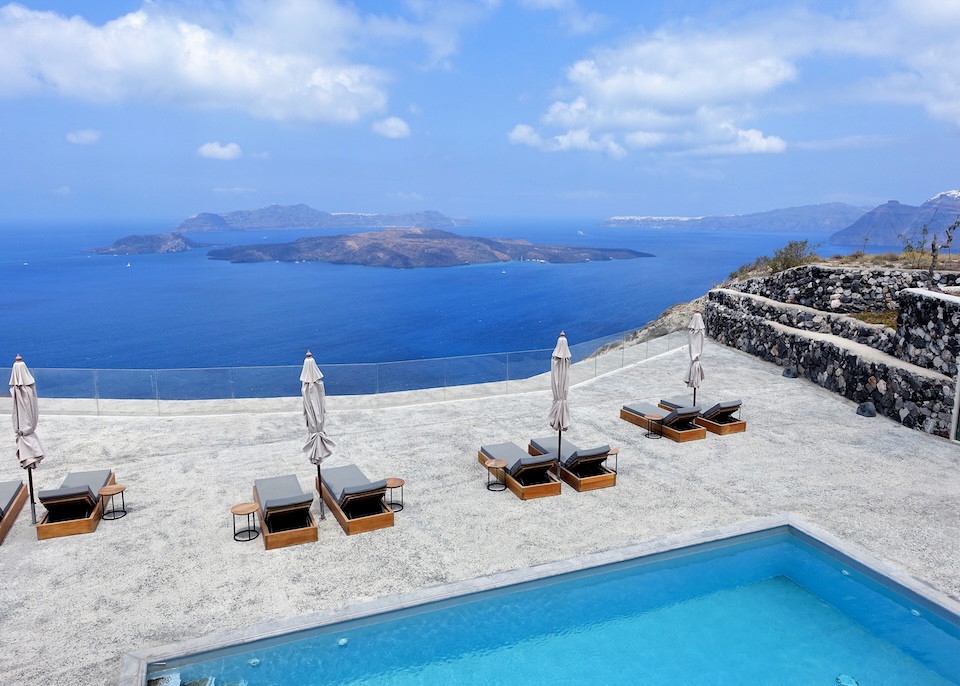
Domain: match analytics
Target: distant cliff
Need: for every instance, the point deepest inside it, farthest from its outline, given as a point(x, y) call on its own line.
point(410, 248)
point(150, 244)
point(815, 218)
point(885, 224)
point(283, 217)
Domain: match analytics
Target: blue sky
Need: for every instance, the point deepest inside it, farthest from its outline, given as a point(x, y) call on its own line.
point(487, 108)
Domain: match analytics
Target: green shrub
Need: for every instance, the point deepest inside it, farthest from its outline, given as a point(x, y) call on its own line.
point(793, 254)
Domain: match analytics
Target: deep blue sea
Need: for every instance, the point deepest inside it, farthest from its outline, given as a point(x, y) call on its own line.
point(63, 307)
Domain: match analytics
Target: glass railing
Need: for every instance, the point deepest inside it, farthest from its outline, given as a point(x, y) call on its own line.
point(175, 391)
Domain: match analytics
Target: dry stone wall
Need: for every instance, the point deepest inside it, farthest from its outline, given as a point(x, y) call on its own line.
point(877, 336)
point(928, 330)
point(813, 301)
point(834, 289)
point(919, 401)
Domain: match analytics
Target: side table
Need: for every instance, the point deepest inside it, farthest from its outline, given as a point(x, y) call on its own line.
point(111, 491)
point(392, 483)
point(250, 511)
point(500, 482)
point(654, 420)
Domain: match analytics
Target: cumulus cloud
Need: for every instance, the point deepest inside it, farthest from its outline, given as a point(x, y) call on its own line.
point(391, 127)
point(705, 89)
point(580, 139)
point(283, 60)
point(83, 137)
point(215, 151)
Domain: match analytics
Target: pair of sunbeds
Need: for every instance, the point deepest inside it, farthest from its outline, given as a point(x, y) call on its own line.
point(534, 473)
point(680, 422)
point(357, 503)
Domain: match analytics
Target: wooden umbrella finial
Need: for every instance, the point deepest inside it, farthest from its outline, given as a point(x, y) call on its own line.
point(19, 359)
point(563, 334)
point(309, 354)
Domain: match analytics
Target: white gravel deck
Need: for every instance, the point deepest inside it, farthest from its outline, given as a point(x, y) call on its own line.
point(170, 570)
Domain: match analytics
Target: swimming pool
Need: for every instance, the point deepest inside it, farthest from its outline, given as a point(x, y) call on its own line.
point(771, 606)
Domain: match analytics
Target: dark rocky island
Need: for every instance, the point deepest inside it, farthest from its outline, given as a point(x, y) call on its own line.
point(410, 248)
point(150, 244)
point(286, 217)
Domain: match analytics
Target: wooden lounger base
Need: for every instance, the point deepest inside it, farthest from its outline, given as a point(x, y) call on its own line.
point(71, 527)
point(357, 525)
point(282, 539)
point(12, 513)
point(552, 487)
point(671, 433)
point(583, 483)
point(733, 427)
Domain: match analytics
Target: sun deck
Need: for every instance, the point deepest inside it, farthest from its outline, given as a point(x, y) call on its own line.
point(171, 571)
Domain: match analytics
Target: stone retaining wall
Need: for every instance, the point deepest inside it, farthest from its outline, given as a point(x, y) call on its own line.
point(837, 289)
point(921, 400)
point(928, 330)
point(876, 336)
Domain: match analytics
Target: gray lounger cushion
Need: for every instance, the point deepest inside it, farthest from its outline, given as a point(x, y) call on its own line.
point(508, 452)
point(281, 492)
point(720, 409)
point(678, 415)
point(8, 493)
point(348, 480)
point(674, 403)
point(548, 445)
point(516, 457)
point(78, 485)
point(569, 453)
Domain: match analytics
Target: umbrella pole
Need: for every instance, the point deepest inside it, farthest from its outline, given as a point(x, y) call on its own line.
point(694, 396)
point(559, 446)
point(33, 506)
point(320, 488)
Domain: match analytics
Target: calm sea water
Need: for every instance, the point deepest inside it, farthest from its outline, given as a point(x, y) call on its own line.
point(63, 307)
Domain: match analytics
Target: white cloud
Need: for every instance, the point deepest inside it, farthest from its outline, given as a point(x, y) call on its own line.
point(391, 127)
point(580, 139)
point(63, 190)
point(235, 190)
point(285, 60)
point(702, 88)
point(83, 137)
point(215, 151)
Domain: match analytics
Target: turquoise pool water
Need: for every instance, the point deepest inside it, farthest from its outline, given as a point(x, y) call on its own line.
point(769, 610)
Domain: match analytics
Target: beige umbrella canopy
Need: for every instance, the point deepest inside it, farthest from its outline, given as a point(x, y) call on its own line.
point(319, 446)
point(23, 389)
point(696, 331)
point(560, 385)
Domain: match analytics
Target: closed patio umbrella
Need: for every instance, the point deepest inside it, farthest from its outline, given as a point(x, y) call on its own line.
point(696, 331)
point(319, 447)
point(560, 385)
point(25, 415)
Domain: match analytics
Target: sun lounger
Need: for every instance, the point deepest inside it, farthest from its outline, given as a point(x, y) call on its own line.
point(528, 476)
point(356, 502)
point(678, 425)
point(74, 508)
point(583, 469)
point(13, 494)
point(285, 516)
point(718, 418)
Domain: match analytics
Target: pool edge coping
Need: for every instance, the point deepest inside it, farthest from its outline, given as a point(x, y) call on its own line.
point(134, 665)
